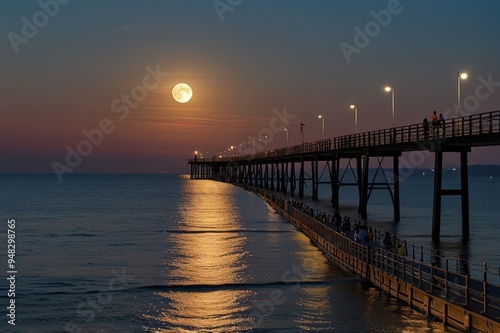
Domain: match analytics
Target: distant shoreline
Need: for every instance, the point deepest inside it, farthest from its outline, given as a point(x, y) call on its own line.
point(474, 170)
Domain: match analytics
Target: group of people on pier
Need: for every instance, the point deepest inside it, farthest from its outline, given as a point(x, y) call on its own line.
point(366, 235)
point(436, 123)
point(385, 252)
point(391, 243)
point(359, 232)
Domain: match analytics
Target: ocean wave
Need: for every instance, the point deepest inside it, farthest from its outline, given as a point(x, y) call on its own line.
point(189, 287)
point(240, 286)
point(232, 231)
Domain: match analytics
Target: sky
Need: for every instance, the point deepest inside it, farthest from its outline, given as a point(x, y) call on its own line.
point(86, 85)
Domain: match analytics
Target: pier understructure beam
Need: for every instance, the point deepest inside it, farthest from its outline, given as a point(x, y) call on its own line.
point(301, 178)
point(314, 178)
point(266, 176)
point(348, 177)
point(317, 178)
point(334, 179)
point(278, 179)
point(463, 191)
point(381, 180)
point(262, 178)
point(284, 177)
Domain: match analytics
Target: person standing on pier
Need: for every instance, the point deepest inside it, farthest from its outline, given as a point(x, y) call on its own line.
point(370, 234)
point(401, 250)
point(434, 122)
point(346, 225)
point(387, 241)
point(360, 234)
point(441, 123)
point(426, 128)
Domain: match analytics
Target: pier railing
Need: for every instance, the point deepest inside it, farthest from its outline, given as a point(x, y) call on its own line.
point(478, 124)
point(477, 295)
point(415, 134)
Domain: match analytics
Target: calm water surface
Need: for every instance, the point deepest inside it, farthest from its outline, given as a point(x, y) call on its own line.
point(161, 253)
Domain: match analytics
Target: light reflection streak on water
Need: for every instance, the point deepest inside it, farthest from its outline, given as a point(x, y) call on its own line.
point(313, 302)
point(315, 308)
point(210, 263)
point(198, 311)
point(207, 261)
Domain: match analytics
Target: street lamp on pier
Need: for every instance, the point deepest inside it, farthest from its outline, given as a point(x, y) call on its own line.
point(322, 126)
point(460, 77)
point(391, 90)
point(355, 108)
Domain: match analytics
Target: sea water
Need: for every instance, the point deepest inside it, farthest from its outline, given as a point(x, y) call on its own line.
point(162, 253)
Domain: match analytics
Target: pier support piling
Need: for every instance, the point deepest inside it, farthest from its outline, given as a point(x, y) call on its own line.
point(334, 177)
point(315, 179)
point(301, 178)
point(464, 175)
point(363, 184)
point(463, 191)
point(397, 214)
point(436, 209)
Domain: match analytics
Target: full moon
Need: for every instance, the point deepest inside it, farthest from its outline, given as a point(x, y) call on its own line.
point(182, 93)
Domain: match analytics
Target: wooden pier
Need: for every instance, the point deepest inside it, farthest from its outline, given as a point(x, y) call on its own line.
point(283, 169)
point(448, 295)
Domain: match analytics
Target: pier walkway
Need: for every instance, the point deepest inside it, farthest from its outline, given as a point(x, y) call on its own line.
point(450, 295)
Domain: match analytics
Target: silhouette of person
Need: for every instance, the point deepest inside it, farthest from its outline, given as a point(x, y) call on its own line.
point(434, 122)
point(441, 122)
point(426, 128)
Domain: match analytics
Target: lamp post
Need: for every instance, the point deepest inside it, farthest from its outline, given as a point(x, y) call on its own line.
point(265, 137)
point(322, 126)
point(355, 108)
point(253, 147)
point(275, 139)
point(391, 89)
point(286, 130)
point(302, 125)
point(460, 77)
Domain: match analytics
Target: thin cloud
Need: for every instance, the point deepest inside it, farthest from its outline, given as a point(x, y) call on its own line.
point(123, 27)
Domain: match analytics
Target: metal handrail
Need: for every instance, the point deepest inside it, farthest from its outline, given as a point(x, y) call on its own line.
point(477, 124)
point(456, 287)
